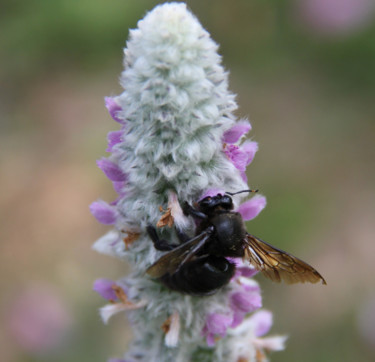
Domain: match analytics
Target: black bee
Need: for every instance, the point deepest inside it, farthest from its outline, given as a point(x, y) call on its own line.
point(199, 265)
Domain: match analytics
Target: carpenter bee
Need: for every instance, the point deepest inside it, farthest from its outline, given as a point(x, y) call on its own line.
point(200, 265)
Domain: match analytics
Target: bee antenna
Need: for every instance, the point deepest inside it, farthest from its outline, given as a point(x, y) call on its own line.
point(239, 192)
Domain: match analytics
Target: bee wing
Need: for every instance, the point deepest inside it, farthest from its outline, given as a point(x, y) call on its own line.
point(277, 264)
point(173, 260)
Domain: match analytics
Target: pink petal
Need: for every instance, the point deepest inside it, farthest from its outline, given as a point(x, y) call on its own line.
point(113, 109)
point(218, 323)
point(113, 138)
point(246, 301)
point(238, 317)
point(38, 320)
point(262, 321)
point(246, 271)
point(237, 156)
point(118, 186)
point(104, 288)
point(251, 208)
point(103, 212)
point(111, 170)
point(335, 17)
point(236, 132)
point(249, 148)
point(210, 340)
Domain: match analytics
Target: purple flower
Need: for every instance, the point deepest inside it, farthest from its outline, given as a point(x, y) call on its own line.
point(335, 17)
point(111, 170)
point(118, 186)
point(242, 302)
point(246, 271)
point(113, 138)
point(216, 325)
point(262, 321)
point(242, 269)
point(236, 132)
point(104, 287)
point(249, 148)
point(246, 301)
point(113, 109)
point(241, 156)
point(103, 212)
point(237, 156)
point(38, 320)
point(251, 208)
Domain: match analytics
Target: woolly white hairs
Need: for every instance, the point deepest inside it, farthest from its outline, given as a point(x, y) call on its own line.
point(175, 112)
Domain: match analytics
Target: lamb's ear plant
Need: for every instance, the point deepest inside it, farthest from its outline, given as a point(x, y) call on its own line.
point(178, 140)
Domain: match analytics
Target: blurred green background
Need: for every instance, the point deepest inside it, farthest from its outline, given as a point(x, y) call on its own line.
point(304, 72)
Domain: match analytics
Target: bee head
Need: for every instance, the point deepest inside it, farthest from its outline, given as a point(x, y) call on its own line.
point(210, 204)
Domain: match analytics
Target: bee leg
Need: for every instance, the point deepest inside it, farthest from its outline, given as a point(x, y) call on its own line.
point(182, 236)
point(160, 244)
point(189, 210)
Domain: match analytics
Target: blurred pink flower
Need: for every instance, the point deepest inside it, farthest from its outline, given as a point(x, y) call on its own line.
point(243, 302)
point(262, 321)
point(216, 326)
point(111, 169)
point(103, 212)
point(104, 287)
point(113, 139)
point(335, 17)
point(113, 109)
point(236, 132)
point(251, 208)
point(39, 320)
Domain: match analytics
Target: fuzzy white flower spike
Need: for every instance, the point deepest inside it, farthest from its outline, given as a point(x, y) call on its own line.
point(177, 141)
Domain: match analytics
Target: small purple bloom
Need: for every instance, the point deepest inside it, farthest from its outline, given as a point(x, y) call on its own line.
point(242, 269)
point(250, 148)
point(251, 208)
point(216, 325)
point(236, 132)
point(113, 109)
point(335, 17)
point(118, 185)
point(262, 321)
point(103, 212)
point(104, 288)
point(113, 138)
point(243, 302)
point(247, 272)
point(111, 170)
point(237, 156)
point(246, 301)
point(242, 155)
point(38, 320)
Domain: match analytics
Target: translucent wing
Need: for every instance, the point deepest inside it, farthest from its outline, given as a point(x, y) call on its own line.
point(277, 264)
point(173, 260)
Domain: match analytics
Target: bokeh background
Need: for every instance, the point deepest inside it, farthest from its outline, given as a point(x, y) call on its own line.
point(304, 72)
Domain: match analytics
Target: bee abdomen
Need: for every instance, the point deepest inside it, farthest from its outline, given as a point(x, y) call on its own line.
point(202, 276)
